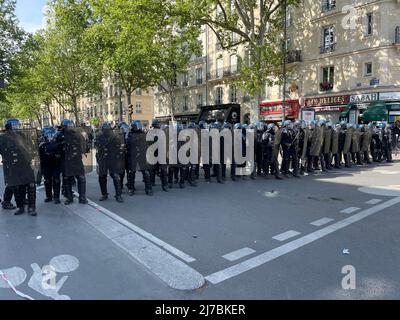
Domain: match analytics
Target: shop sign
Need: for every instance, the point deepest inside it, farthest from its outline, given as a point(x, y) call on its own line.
point(360, 98)
point(327, 101)
point(385, 96)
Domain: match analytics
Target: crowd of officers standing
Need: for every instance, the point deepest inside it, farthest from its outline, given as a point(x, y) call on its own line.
point(294, 148)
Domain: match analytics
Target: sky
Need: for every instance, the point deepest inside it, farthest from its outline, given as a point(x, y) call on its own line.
point(30, 14)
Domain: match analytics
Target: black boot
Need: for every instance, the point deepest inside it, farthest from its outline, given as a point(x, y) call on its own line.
point(19, 211)
point(8, 206)
point(164, 179)
point(147, 183)
point(82, 190)
point(68, 191)
point(32, 199)
point(131, 182)
point(48, 186)
point(118, 190)
point(32, 211)
point(182, 176)
point(56, 190)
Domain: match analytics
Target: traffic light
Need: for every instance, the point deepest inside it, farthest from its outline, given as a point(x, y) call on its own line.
point(130, 109)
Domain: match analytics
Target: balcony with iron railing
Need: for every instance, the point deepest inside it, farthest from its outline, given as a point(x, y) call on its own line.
point(293, 56)
point(327, 48)
point(326, 86)
point(223, 72)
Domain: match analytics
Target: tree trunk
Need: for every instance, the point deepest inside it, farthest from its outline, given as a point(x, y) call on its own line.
point(75, 111)
point(129, 94)
point(50, 114)
point(255, 108)
point(120, 106)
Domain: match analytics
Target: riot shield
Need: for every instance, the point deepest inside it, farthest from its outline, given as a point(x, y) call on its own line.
point(20, 153)
point(110, 151)
point(327, 140)
point(366, 140)
point(276, 146)
point(316, 141)
point(347, 142)
point(305, 144)
point(137, 149)
point(77, 153)
point(335, 142)
point(355, 147)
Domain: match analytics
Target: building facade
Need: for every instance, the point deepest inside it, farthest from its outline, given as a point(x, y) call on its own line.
point(343, 57)
point(108, 105)
point(207, 82)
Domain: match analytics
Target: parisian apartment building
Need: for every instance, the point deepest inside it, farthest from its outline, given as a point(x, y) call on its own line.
point(343, 57)
point(111, 105)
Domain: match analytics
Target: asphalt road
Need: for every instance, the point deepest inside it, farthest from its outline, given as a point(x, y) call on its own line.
point(249, 239)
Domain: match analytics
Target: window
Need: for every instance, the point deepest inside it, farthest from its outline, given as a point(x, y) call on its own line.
point(138, 107)
point(288, 43)
point(233, 63)
point(185, 79)
point(199, 75)
point(138, 92)
point(219, 95)
point(199, 100)
point(368, 69)
point(185, 103)
point(369, 24)
point(328, 39)
point(220, 65)
point(116, 109)
point(328, 5)
point(111, 91)
point(233, 94)
point(328, 75)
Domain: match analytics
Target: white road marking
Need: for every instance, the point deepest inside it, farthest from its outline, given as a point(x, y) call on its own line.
point(373, 201)
point(64, 263)
point(265, 257)
point(238, 254)
point(172, 271)
point(350, 210)
point(185, 257)
point(286, 235)
point(321, 222)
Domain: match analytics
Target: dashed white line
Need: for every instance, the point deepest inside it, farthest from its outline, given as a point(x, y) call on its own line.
point(350, 210)
point(286, 235)
point(321, 222)
point(265, 257)
point(373, 201)
point(238, 254)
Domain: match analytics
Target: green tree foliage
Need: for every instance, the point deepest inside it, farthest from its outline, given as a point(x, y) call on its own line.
point(11, 37)
point(68, 66)
point(143, 42)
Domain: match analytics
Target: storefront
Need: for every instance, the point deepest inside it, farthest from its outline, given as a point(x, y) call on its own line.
point(376, 112)
point(273, 111)
point(359, 103)
point(328, 108)
point(392, 101)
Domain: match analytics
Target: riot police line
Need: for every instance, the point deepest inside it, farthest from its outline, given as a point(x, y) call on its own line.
point(62, 156)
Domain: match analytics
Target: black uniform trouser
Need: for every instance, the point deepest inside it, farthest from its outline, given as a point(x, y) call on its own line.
point(117, 184)
point(160, 169)
point(20, 193)
point(178, 174)
point(336, 158)
point(258, 162)
point(146, 178)
point(328, 160)
point(223, 170)
point(52, 186)
point(67, 182)
point(366, 158)
point(289, 158)
point(8, 193)
point(191, 174)
point(347, 159)
point(387, 150)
